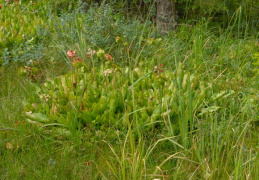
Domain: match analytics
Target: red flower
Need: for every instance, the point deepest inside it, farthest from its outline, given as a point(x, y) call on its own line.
point(78, 59)
point(71, 54)
point(77, 62)
point(108, 57)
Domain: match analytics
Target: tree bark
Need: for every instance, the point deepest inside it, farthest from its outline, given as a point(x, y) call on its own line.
point(84, 3)
point(166, 18)
point(94, 1)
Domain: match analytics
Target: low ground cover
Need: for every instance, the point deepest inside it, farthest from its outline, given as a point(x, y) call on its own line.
point(121, 101)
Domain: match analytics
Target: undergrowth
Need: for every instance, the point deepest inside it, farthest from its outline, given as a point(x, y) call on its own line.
point(97, 96)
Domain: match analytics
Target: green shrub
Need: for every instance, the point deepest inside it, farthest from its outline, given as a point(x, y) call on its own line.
point(108, 96)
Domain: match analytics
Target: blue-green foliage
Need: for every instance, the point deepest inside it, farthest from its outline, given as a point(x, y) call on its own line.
point(97, 26)
point(68, 22)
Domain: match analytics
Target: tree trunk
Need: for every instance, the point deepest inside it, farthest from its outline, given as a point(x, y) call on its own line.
point(84, 3)
point(166, 18)
point(94, 1)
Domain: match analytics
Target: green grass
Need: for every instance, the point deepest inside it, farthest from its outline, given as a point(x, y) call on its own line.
point(216, 140)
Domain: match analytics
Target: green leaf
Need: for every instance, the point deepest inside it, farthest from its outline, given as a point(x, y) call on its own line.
point(208, 110)
point(39, 117)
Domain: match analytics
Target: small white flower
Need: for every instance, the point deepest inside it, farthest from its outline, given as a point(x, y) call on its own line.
point(107, 72)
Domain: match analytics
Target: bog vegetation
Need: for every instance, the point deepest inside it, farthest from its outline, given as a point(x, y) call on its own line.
point(93, 91)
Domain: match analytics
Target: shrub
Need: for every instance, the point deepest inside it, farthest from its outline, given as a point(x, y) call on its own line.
point(108, 96)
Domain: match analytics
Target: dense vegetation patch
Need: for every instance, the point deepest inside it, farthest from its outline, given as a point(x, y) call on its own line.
point(96, 92)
